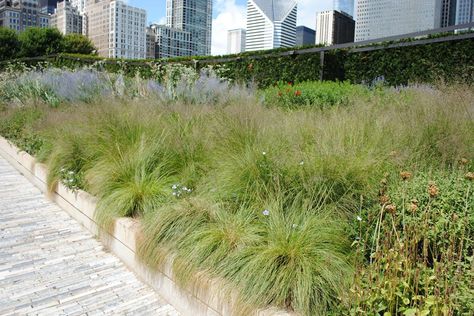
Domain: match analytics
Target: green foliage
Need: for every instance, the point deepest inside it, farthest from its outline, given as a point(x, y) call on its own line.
point(396, 66)
point(422, 63)
point(9, 44)
point(17, 127)
point(37, 41)
point(419, 245)
point(312, 94)
point(77, 44)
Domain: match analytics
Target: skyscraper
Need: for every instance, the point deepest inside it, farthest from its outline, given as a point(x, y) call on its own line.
point(448, 13)
point(334, 27)
point(236, 41)
point(464, 11)
point(47, 6)
point(194, 17)
point(116, 29)
point(346, 6)
point(67, 19)
point(169, 42)
point(79, 4)
point(270, 24)
point(383, 18)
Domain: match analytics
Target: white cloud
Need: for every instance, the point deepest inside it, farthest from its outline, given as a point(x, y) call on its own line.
point(229, 15)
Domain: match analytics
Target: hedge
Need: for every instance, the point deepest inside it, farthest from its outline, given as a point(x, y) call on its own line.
point(446, 61)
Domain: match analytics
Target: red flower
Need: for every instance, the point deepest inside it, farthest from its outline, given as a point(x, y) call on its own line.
point(290, 83)
point(297, 93)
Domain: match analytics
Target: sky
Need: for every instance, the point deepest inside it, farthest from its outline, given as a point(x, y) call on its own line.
point(230, 14)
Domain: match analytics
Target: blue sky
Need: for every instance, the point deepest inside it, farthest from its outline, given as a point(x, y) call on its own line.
point(230, 14)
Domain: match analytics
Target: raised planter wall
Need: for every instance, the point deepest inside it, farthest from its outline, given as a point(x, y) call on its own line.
point(122, 242)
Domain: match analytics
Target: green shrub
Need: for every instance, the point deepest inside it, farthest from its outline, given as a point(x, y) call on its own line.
point(9, 44)
point(77, 44)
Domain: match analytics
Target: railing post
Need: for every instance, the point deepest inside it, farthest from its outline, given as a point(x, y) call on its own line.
point(321, 66)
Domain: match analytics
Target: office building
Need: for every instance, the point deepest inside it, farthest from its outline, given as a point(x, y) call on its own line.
point(270, 24)
point(464, 11)
point(150, 42)
point(236, 41)
point(169, 42)
point(194, 17)
point(383, 18)
point(79, 4)
point(19, 15)
point(305, 36)
point(116, 29)
point(448, 13)
point(67, 19)
point(346, 6)
point(47, 6)
point(334, 27)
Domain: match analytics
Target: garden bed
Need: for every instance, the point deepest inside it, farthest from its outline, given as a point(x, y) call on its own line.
point(316, 198)
point(122, 242)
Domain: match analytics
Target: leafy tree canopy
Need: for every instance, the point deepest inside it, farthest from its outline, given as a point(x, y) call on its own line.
point(77, 44)
point(9, 44)
point(37, 41)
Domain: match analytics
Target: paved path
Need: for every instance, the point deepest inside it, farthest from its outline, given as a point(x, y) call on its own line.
point(50, 265)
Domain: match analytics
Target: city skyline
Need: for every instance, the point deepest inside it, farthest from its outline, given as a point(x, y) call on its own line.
point(231, 14)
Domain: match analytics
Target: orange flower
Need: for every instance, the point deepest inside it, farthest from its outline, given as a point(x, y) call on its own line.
point(297, 93)
point(405, 175)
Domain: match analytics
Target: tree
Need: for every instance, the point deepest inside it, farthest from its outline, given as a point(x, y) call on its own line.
point(77, 44)
point(37, 41)
point(9, 44)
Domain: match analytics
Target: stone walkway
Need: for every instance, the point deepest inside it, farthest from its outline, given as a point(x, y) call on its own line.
point(50, 265)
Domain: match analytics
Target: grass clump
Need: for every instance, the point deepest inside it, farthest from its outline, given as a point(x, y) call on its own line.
point(268, 197)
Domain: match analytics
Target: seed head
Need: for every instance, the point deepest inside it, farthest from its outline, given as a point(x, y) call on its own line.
point(433, 189)
point(469, 176)
point(405, 175)
point(464, 161)
point(392, 209)
point(384, 199)
point(414, 205)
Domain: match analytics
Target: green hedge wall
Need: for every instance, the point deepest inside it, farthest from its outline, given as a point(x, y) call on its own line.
point(446, 61)
point(450, 61)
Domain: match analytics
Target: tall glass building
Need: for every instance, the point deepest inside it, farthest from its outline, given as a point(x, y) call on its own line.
point(195, 17)
point(383, 18)
point(346, 6)
point(47, 6)
point(464, 11)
